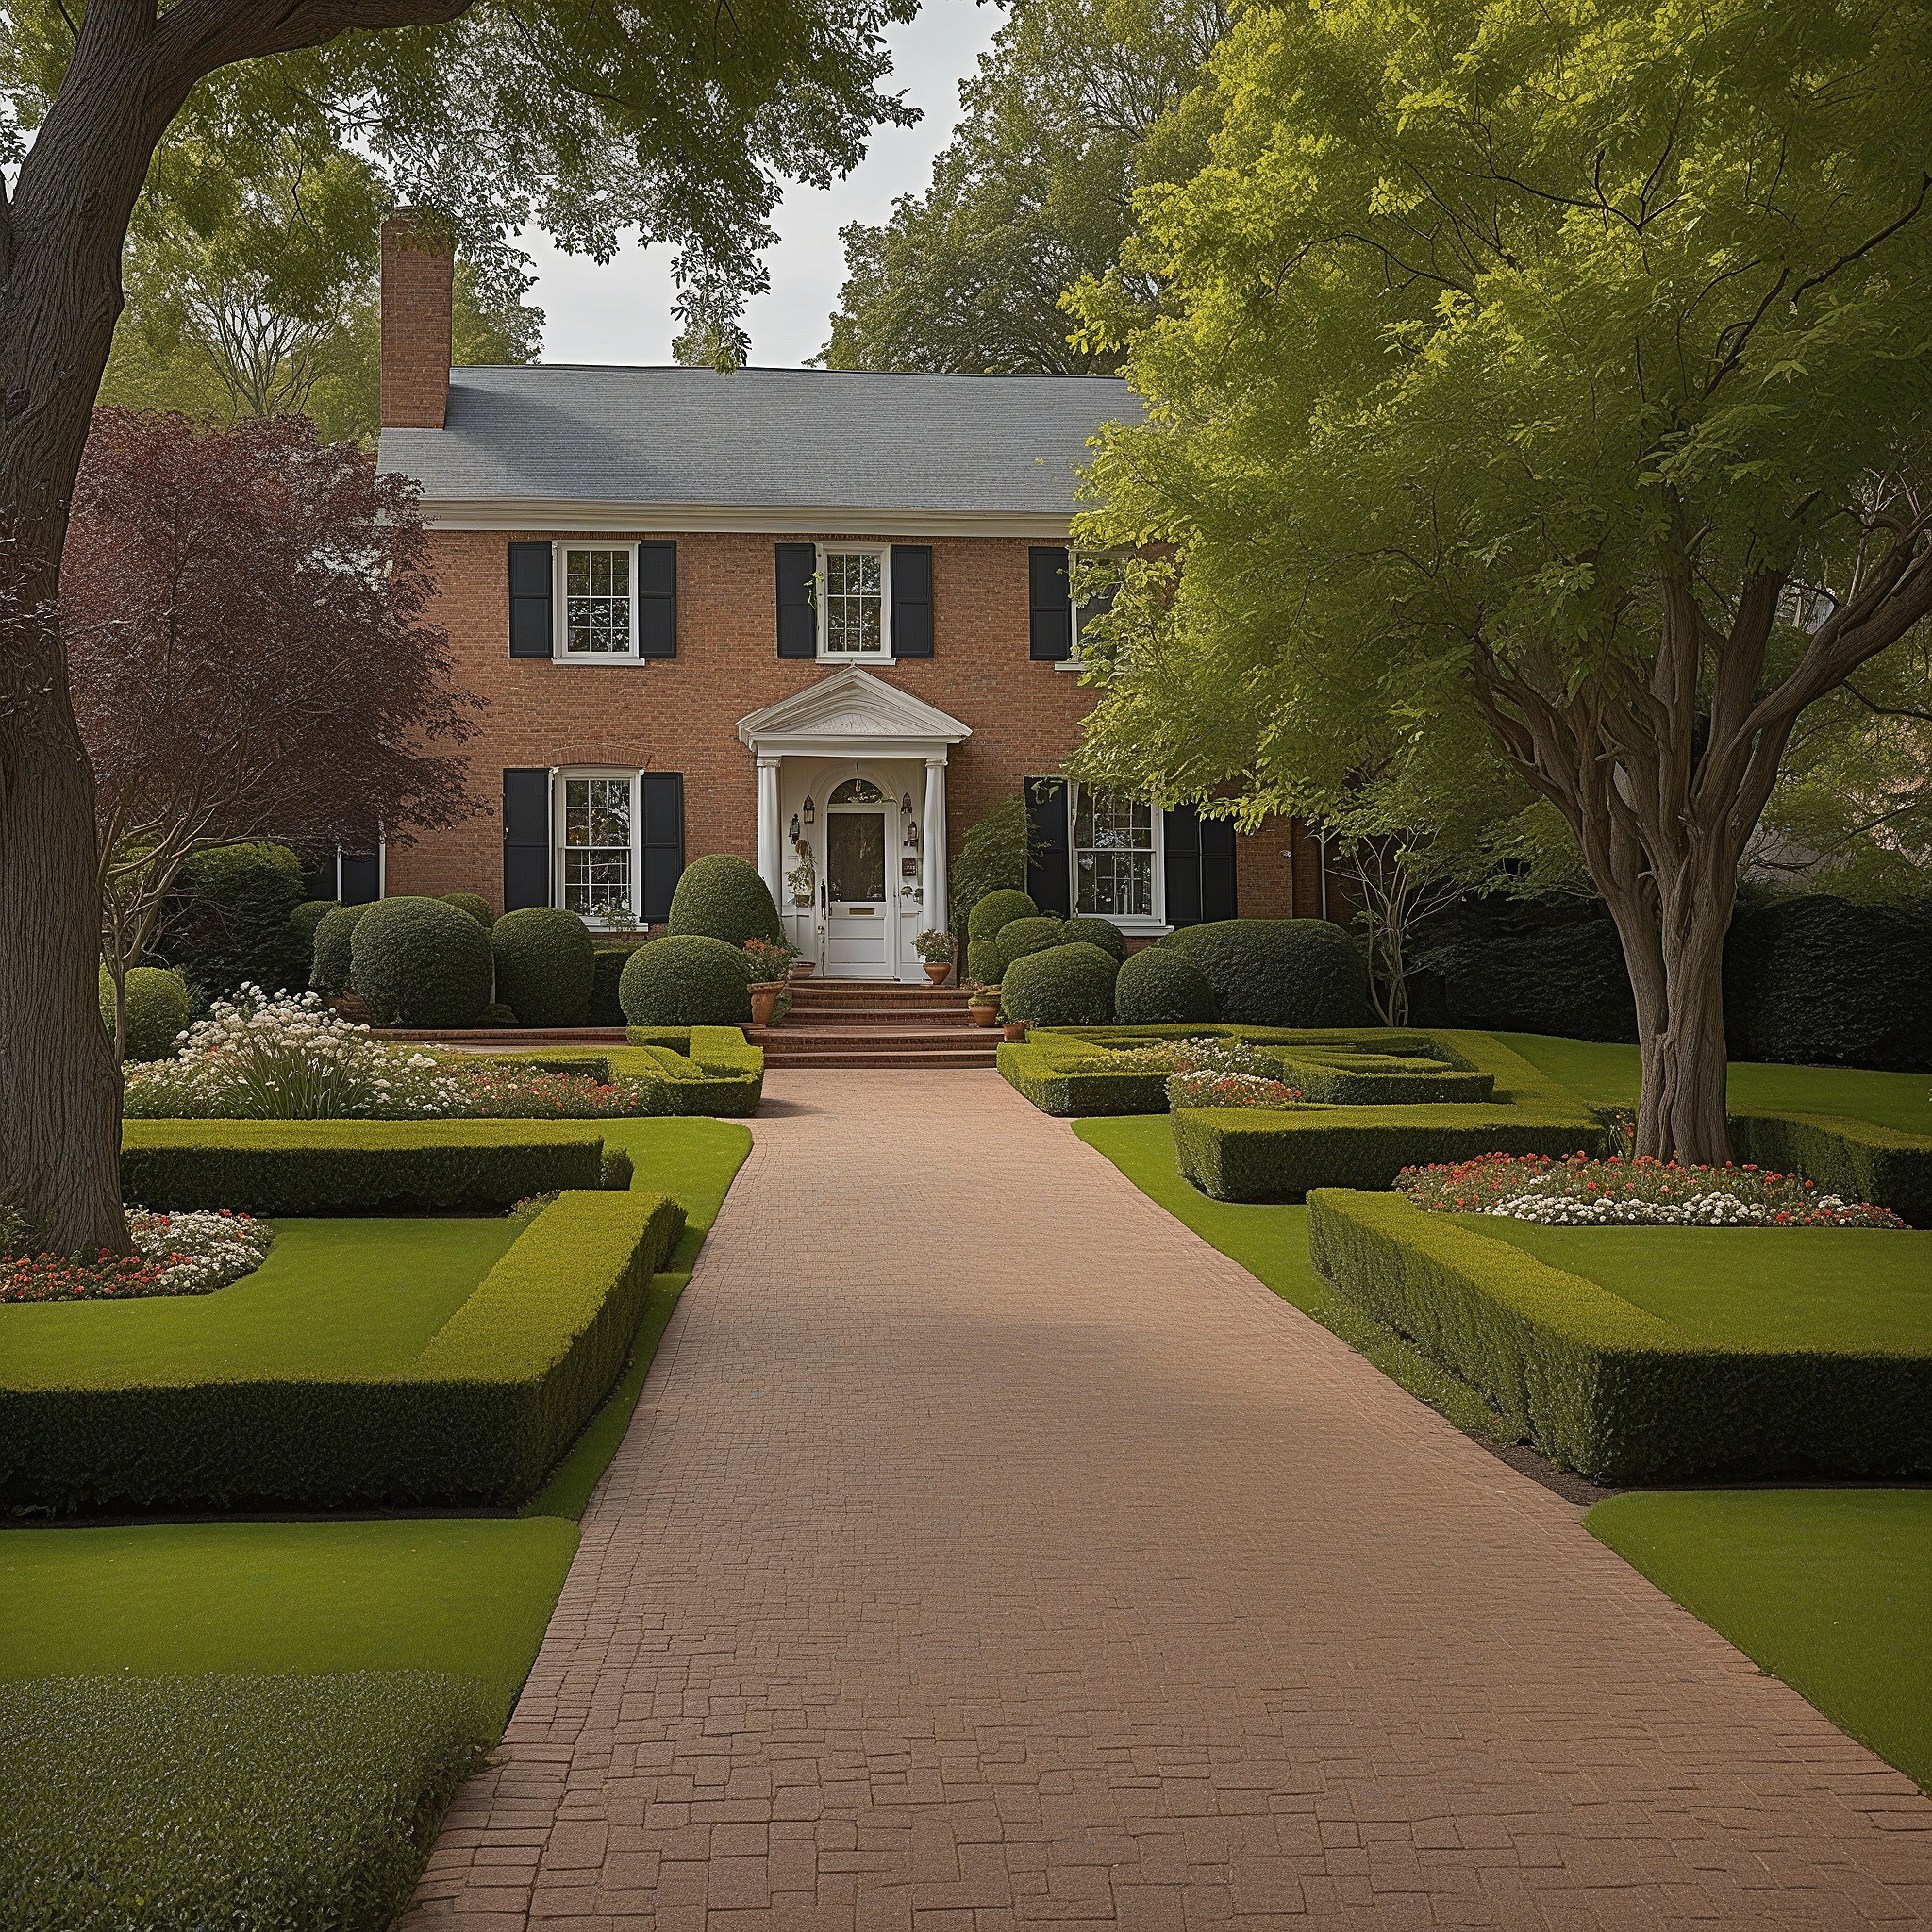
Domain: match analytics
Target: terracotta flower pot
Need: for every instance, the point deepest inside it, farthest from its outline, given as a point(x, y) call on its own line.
point(1015, 1030)
point(804, 969)
point(985, 1016)
point(764, 1002)
point(936, 971)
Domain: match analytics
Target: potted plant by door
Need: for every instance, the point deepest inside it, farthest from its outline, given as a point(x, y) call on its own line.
point(983, 1004)
point(768, 963)
point(935, 949)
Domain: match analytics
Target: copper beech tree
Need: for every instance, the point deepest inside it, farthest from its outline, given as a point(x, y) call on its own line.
point(245, 632)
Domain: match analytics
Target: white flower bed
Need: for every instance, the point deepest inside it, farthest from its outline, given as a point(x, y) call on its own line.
point(199, 1251)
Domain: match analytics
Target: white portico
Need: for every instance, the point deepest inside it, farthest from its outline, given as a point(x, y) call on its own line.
point(852, 820)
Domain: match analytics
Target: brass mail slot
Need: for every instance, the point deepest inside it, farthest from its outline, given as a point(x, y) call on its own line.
point(862, 911)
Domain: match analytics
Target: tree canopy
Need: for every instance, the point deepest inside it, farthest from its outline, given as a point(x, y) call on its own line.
point(1033, 191)
point(1564, 370)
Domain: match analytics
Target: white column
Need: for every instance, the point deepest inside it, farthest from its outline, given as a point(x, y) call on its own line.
point(933, 846)
point(771, 862)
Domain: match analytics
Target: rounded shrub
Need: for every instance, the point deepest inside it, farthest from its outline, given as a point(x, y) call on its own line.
point(475, 905)
point(719, 898)
point(1061, 986)
point(156, 1010)
point(1279, 972)
point(545, 965)
point(419, 963)
point(305, 919)
point(983, 961)
point(331, 967)
point(686, 980)
point(1160, 988)
point(1019, 937)
point(997, 910)
point(1085, 930)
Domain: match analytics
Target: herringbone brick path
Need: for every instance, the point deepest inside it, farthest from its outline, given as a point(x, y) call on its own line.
point(987, 1549)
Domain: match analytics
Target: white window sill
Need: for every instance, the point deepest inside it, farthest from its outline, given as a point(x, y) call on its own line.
point(871, 659)
point(1136, 928)
point(1068, 664)
point(596, 658)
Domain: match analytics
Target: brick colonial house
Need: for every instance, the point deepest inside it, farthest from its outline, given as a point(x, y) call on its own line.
point(818, 619)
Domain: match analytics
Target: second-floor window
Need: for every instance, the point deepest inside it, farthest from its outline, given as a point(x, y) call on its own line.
point(853, 603)
point(599, 601)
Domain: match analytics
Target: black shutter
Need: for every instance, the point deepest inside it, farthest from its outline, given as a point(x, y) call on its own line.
point(661, 806)
point(1051, 627)
point(912, 600)
point(1049, 866)
point(530, 600)
point(657, 600)
point(361, 882)
point(525, 839)
point(798, 621)
point(1219, 898)
point(1180, 833)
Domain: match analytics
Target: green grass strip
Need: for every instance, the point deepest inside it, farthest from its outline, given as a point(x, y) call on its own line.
point(1830, 1589)
point(1271, 1241)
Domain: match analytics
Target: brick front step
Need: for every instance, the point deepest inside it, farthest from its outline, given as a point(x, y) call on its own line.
point(803, 1059)
point(507, 1037)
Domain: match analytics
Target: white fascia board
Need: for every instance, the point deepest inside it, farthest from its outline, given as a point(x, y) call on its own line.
point(530, 514)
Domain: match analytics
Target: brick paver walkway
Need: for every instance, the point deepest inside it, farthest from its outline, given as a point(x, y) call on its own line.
point(988, 1549)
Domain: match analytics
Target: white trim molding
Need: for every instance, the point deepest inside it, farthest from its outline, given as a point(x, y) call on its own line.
point(560, 652)
point(784, 520)
point(854, 713)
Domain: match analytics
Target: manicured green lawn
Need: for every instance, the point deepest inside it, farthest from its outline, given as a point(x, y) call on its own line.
point(1850, 1288)
point(466, 1599)
point(1607, 1076)
point(350, 1296)
point(1830, 1589)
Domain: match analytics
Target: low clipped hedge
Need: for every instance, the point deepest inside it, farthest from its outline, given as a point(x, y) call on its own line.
point(419, 963)
point(1604, 1386)
point(1020, 937)
point(1085, 930)
point(354, 1167)
point(1279, 972)
point(1158, 987)
point(1855, 1159)
point(686, 980)
point(156, 1010)
point(546, 966)
point(720, 897)
point(1063, 986)
point(477, 1418)
point(276, 1802)
point(997, 910)
point(705, 1070)
point(1386, 1080)
point(331, 967)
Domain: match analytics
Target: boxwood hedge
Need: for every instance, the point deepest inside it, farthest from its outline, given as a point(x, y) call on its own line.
point(996, 909)
point(1063, 986)
point(330, 970)
point(1019, 937)
point(1857, 1158)
point(1602, 1386)
point(546, 966)
point(478, 1418)
point(156, 1010)
point(1085, 930)
point(1158, 987)
point(419, 963)
point(686, 980)
point(1279, 972)
point(720, 897)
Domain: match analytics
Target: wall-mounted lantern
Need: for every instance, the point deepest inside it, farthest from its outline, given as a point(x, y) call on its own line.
point(811, 811)
point(794, 828)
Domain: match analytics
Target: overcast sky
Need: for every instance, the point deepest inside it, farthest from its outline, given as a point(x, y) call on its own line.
point(622, 314)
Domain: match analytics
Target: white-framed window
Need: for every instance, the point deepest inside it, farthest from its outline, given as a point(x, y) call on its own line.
point(597, 610)
point(854, 600)
point(597, 821)
point(1094, 604)
point(1115, 855)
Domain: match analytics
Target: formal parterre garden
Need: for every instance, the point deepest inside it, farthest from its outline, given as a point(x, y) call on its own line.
point(1463, 1207)
point(369, 1277)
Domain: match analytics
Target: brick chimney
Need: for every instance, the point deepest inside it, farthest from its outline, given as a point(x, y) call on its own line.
point(417, 271)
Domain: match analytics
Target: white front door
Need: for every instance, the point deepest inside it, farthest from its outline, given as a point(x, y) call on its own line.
point(858, 920)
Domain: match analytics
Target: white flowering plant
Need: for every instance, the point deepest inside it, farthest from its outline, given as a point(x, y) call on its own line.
point(192, 1253)
point(1583, 1191)
point(1202, 1054)
point(287, 1058)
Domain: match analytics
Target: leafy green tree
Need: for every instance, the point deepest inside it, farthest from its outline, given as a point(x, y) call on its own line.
point(1034, 193)
point(1564, 367)
point(589, 120)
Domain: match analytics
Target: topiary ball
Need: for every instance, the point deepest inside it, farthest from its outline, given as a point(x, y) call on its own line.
point(1160, 988)
point(478, 908)
point(545, 965)
point(1019, 937)
point(305, 919)
point(1279, 972)
point(720, 897)
point(983, 961)
point(997, 910)
point(686, 980)
point(1085, 930)
point(1061, 986)
point(419, 963)
point(156, 1010)
point(334, 932)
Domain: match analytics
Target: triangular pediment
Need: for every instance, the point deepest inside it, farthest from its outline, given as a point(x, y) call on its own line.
point(850, 704)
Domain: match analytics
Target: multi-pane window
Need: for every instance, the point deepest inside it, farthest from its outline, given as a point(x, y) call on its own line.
point(852, 602)
point(598, 845)
point(1114, 855)
point(597, 602)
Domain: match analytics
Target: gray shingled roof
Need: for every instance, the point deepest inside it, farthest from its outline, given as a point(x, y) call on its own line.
point(775, 438)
